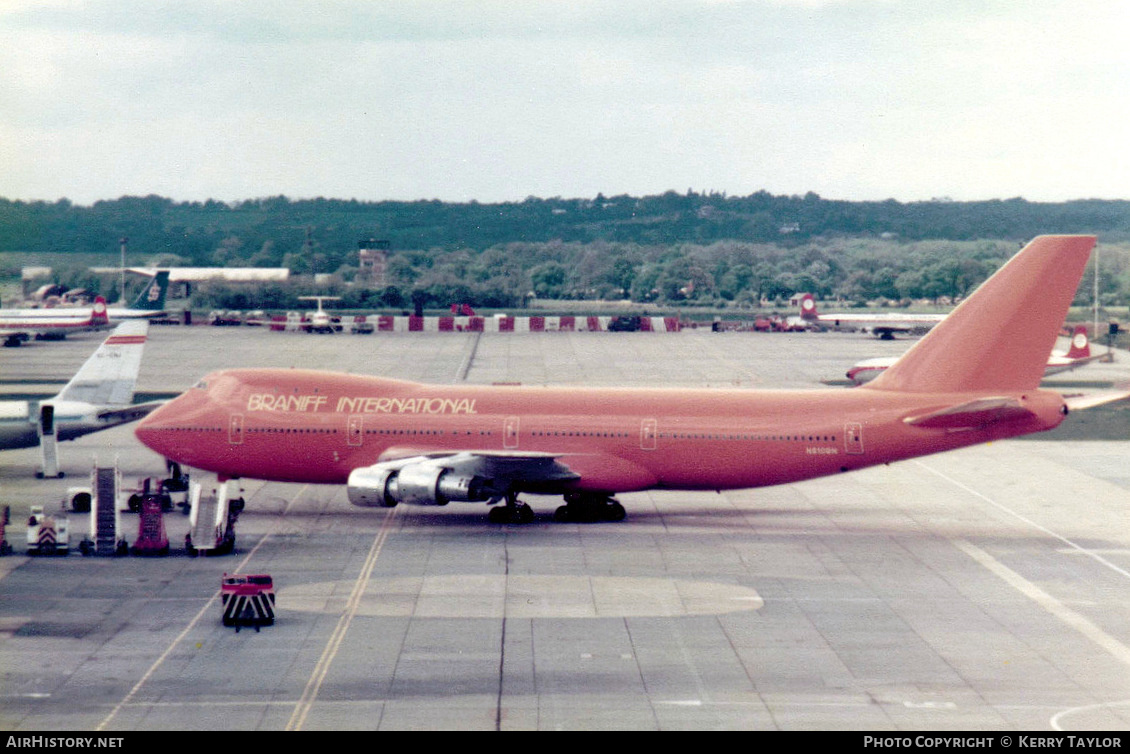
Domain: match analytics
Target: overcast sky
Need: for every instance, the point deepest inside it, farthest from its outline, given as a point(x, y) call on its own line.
point(496, 101)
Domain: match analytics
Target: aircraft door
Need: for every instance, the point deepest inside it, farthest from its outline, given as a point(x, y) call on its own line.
point(510, 433)
point(235, 429)
point(47, 441)
point(853, 438)
point(355, 430)
point(648, 434)
point(46, 420)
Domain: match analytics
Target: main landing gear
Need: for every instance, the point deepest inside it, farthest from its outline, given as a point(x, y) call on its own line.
point(579, 508)
point(513, 512)
point(589, 507)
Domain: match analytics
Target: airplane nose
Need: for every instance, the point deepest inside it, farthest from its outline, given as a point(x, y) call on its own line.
point(151, 429)
point(161, 431)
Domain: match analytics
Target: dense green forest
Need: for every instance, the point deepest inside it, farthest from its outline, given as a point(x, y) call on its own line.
point(676, 249)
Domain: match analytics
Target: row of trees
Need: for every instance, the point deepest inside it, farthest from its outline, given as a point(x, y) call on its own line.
point(727, 274)
point(692, 249)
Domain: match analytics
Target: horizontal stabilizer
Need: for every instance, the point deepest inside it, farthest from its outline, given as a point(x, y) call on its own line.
point(972, 415)
point(1091, 400)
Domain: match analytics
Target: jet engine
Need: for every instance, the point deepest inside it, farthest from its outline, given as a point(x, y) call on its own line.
point(415, 484)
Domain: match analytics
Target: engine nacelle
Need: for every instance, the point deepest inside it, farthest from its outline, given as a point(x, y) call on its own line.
point(413, 484)
point(368, 487)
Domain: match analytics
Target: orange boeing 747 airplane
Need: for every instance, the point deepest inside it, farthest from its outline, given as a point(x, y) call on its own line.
point(391, 441)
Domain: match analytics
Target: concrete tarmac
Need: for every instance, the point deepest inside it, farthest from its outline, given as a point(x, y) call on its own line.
point(984, 589)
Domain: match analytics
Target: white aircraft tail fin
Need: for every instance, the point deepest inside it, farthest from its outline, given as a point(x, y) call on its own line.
point(108, 377)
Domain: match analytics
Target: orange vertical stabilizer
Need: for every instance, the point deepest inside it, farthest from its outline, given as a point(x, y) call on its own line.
point(999, 338)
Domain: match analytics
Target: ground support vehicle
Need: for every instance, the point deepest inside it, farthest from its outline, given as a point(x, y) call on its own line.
point(247, 600)
point(151, 536)
point(105, 518)
point(47, 534)
point(212, 517)
point(5, 519)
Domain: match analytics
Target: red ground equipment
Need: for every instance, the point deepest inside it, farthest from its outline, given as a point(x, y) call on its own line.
point(5, 548)
point(151, 537)
point(248, 600)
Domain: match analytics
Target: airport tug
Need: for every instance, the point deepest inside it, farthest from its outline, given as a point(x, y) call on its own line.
point(248, 600)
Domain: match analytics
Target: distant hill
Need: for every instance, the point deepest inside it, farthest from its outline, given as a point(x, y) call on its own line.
point(195, 230)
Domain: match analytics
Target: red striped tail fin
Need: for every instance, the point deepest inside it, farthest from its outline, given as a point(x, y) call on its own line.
point(808, 307)
point(1080, 345)
point(98, 315)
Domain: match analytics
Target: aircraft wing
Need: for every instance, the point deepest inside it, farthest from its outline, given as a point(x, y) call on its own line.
point(883, 327)
point(436, 478)
point(513, 466)
point(130, 413)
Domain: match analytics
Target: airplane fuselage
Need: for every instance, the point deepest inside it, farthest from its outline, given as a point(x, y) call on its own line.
point(73, 419)
point(17, 325)
point(316, 427)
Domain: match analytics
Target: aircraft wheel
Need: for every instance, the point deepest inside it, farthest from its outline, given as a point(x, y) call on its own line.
point(583, 512)
point(505, 514)
point(614, 511)
point(588, 508)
